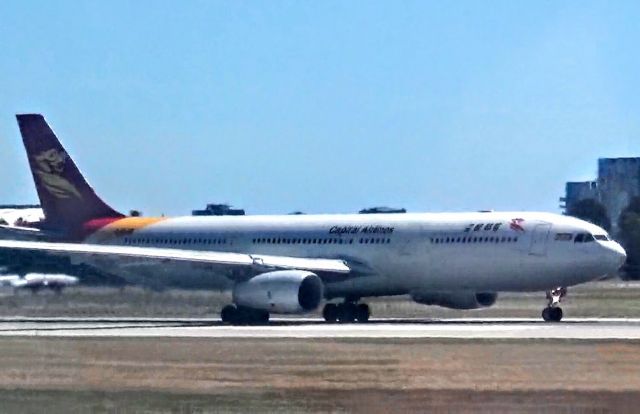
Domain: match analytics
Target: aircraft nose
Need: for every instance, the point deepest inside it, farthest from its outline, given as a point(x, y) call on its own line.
point(619, 256)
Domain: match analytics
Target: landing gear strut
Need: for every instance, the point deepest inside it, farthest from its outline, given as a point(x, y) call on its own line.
point(553, 311)
point(239, 315)
point(347, 312)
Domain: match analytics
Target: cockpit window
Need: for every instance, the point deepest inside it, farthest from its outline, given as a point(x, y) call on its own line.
point(602, 237)
point(583, 238)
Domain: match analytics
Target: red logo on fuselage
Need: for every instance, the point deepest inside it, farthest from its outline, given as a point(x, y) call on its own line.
point(516, 224)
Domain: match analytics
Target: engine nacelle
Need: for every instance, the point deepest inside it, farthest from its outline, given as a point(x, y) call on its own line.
point(456, 300)
point(281, 291)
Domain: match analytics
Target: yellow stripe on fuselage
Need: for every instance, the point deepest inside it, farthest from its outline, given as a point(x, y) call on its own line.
point(123, 227)
point(132, 223)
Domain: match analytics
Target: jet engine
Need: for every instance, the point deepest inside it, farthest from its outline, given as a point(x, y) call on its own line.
point(456, 300)
point(282, 291)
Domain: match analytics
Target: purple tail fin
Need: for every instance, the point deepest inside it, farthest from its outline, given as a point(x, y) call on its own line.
point(67, 199)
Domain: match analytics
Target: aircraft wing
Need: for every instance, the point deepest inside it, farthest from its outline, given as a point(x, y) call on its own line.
point(161, 255)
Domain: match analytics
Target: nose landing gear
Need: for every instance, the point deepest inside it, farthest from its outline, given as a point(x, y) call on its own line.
point(553, 311)
point(347, 312)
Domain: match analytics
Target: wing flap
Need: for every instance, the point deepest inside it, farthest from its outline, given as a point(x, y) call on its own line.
point(178, 255)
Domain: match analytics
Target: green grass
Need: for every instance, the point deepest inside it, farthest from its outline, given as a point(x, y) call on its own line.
point(602, 299)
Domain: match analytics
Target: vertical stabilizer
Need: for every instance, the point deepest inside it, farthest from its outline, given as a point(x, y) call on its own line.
point(67, 199)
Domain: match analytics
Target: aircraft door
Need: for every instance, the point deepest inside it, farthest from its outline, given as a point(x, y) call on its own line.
point(540, 239)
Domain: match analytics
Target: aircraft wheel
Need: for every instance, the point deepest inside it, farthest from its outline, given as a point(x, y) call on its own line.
point(229, 314)
point(556, 314)
point(260, 316)
point(330, 312)
point(552, 314)
point(347, 313)
point(243, 316)
point(363, 313)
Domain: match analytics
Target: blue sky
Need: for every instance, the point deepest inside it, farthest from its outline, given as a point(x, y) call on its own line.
point(323, 106)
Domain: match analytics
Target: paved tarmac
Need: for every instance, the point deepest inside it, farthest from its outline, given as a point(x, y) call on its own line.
point(512, 328)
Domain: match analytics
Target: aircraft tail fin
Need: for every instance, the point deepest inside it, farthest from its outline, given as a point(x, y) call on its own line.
point(67, 199)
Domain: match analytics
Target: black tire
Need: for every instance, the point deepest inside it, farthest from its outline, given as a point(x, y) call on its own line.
point(552, 314)
point(229, 314)
point(330, 312)
point(556, 314)
point(261, 317)
point(347, 313)
point(363, 313)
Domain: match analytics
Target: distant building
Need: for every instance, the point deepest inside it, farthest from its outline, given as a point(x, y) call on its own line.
point(617, 183)
point(382, 210)
point(218, 210)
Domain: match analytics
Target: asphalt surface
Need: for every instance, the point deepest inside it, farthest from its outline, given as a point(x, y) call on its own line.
point(512, 328)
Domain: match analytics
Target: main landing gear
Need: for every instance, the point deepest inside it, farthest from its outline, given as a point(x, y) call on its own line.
point(553, 311)
point(239, 315)
point(347, 312)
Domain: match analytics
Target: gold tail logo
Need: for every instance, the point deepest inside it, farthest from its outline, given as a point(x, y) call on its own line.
point(50, 166)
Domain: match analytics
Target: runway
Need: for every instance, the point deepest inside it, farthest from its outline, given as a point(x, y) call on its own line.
point(495, 328)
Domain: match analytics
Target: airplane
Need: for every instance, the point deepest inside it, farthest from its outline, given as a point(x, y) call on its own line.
point(38, 281)
point(291, 264)
point(10, 215)
point(18, 222)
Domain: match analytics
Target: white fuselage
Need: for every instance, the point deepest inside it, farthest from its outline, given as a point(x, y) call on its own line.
point(389, 253)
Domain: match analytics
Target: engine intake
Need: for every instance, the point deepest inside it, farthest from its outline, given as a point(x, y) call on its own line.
point(456, 300)
point(282, 291)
